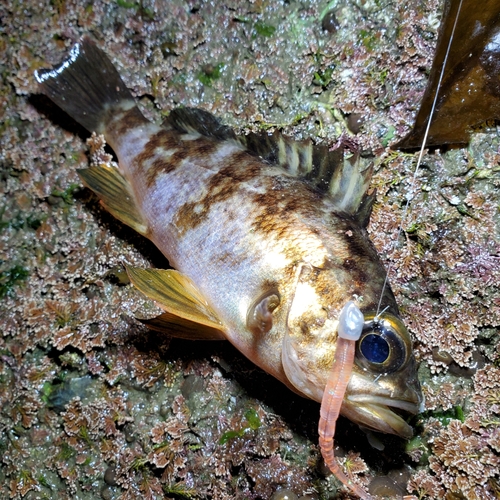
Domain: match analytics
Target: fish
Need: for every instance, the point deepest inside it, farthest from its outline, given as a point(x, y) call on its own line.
point(268, 243)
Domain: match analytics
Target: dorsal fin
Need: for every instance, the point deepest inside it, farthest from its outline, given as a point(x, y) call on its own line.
point(294, 156)
point(343, 179)
point(348, 186)
point(329, 172)
point(195, 120)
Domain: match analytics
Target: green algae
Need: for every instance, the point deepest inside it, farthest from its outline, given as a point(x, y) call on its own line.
point(252, 424)
point(210, 73)
point(10, 278)
point(67, 195)
point(263, 29)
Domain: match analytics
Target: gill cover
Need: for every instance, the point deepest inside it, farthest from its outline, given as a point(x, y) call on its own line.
point(311, 336)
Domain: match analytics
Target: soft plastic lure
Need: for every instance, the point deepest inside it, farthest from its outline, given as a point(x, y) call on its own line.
point(351, 322)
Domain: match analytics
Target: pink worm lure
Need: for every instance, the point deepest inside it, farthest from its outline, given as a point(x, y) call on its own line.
point(349, 330)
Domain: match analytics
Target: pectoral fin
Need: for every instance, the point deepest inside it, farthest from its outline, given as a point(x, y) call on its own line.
point(175, 326)
point(115, 194)
point(187, 314)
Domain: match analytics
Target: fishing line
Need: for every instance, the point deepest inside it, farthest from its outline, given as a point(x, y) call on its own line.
point(410, 194)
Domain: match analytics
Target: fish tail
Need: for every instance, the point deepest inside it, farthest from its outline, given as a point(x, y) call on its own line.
point(87, 86)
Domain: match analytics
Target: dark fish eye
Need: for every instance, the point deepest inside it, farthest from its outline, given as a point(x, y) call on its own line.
point(384, 345)
point(374, 348)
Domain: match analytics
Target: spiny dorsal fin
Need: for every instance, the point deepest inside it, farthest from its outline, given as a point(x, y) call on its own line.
point(348, 185)
point(328, 171)
point(115, 194)
point(294, 156)
point(343, 179)
point(176, 294)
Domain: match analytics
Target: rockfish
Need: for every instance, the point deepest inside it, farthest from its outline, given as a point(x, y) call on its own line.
point(267, 237)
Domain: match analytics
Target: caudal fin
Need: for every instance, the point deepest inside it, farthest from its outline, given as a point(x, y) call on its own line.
point(87, 86)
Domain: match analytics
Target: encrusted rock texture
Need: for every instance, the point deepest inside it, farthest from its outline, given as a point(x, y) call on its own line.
point(92, 404)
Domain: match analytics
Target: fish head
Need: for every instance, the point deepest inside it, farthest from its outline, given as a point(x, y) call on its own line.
point(383, 385)
point(384, 382)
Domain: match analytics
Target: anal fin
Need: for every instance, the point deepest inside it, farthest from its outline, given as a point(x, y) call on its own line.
point(115, 194)
point(187, 314)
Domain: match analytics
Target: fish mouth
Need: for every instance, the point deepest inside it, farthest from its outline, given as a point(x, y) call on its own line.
point(383, 402)
point(380, 414)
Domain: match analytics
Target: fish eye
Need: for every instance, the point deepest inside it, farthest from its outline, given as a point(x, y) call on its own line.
point(384, 345)
point(374, 348)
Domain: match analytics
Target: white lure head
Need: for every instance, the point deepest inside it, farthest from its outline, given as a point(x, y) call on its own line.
point(351, 321)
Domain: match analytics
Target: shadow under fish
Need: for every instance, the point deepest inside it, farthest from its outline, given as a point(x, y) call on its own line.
point(268, 238)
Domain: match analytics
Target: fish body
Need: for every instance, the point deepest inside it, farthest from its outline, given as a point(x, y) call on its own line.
point(268, 241)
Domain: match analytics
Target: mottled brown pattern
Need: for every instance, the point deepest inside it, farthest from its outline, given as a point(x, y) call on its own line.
point(359, 246)
point(222, 186)
point(349, 264)
point(119, 123)
point(165, 139)
point(274, 217)
point(201, 148)
point(367, 269)
point(270, 285)
point(227, 258)
point(196, 150)
point(162, 165)
point(364, 266)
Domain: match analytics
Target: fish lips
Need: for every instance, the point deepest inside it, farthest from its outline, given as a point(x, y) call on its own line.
point(379, 417)
point(378, 403)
